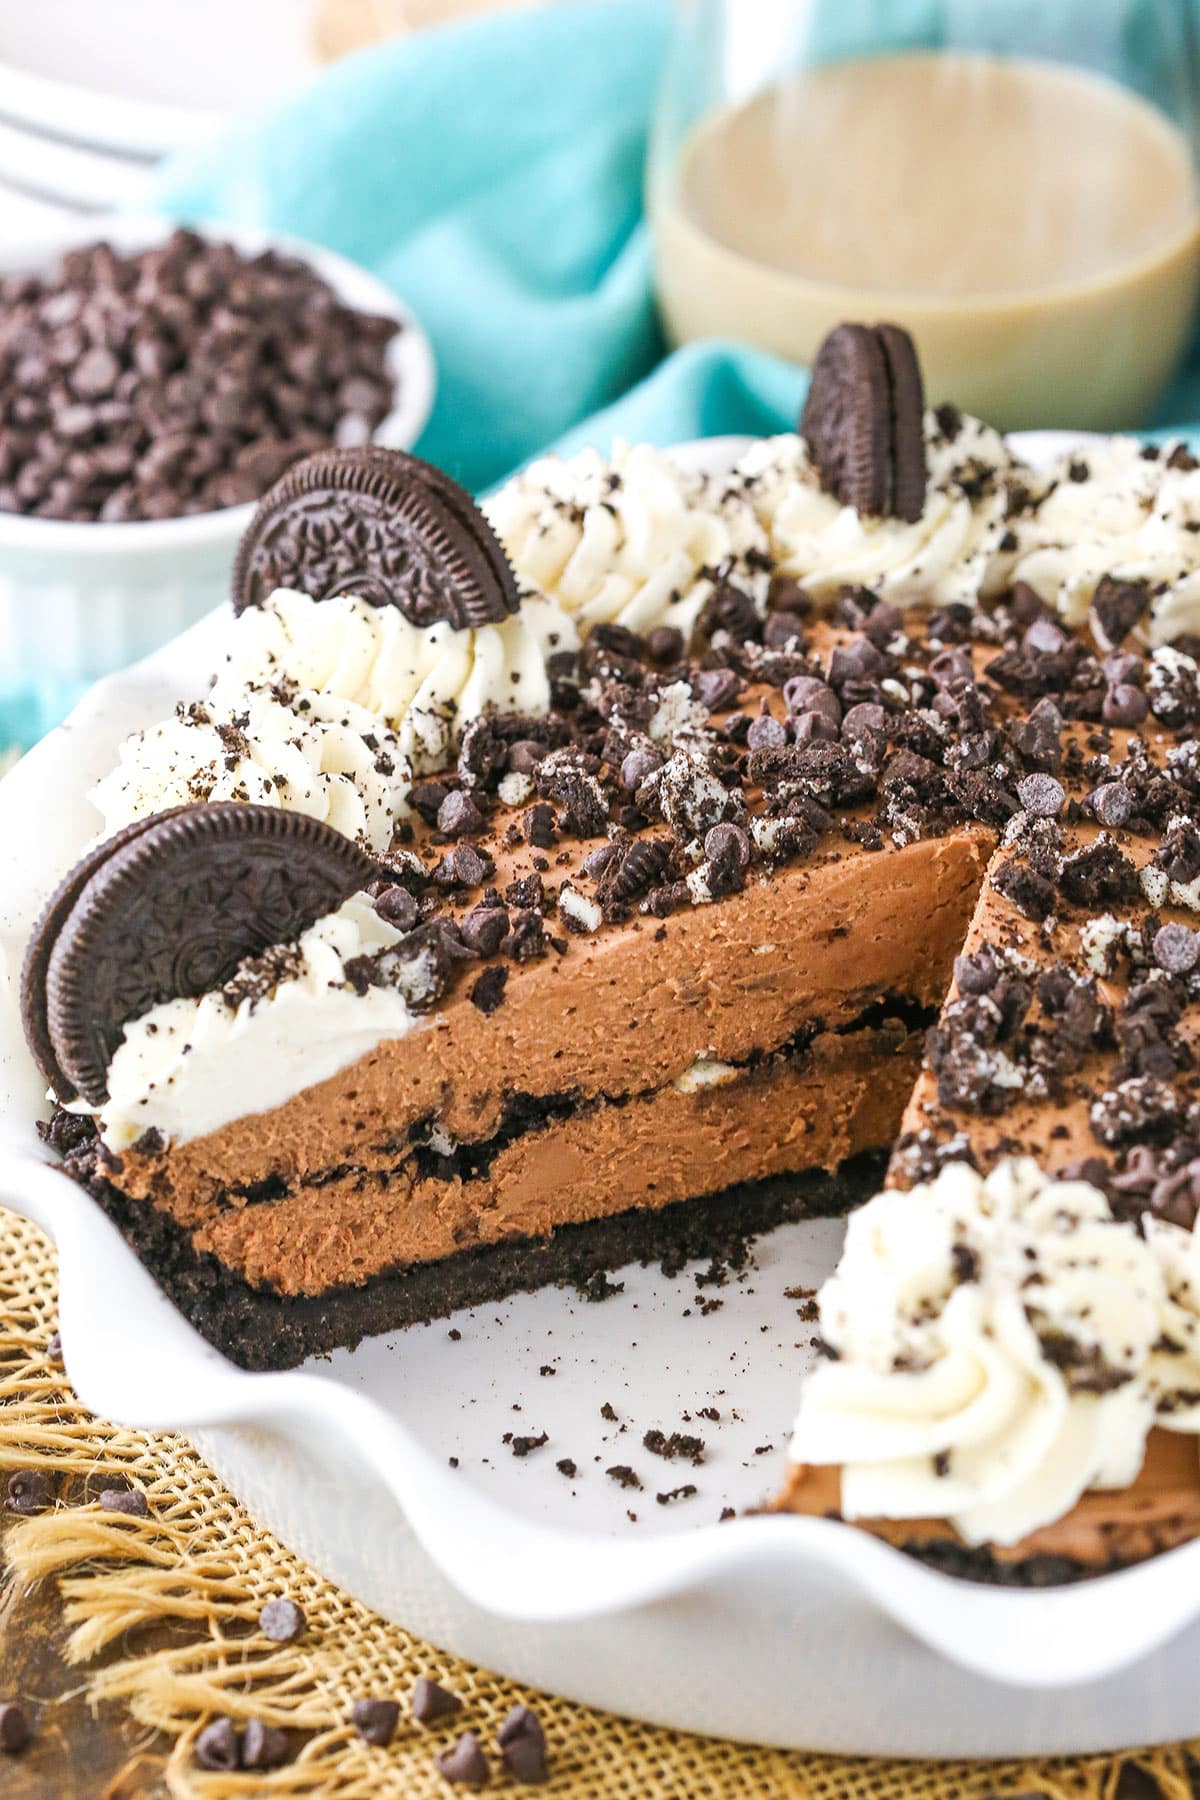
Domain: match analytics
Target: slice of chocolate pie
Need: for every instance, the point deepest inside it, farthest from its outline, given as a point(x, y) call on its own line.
point(688, 800)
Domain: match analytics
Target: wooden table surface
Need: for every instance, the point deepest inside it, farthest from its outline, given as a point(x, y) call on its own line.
point(79, 1755)
point(75, 1754)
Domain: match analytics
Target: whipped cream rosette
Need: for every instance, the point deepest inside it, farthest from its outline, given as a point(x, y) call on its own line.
point(992, 1343)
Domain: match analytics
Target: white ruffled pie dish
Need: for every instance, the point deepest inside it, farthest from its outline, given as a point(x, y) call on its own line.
point(778, 1630)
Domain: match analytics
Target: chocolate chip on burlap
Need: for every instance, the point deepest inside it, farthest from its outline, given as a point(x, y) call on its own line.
point(15, 1728)
point(217, 1746)
point(464, 1764)
point(130, 1501)
point(522, 1743)
point(29, 1491)
point(282, 1621)
point(431, 1701)
point(863, 420)
point(375, 1720)
point(384, 526)
point(265, 1746)
point(168, 910)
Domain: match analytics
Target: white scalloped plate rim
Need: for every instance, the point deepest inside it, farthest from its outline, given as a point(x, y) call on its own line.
point(133, 1358)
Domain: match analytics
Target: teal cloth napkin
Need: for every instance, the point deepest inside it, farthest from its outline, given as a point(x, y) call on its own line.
point(491, 172)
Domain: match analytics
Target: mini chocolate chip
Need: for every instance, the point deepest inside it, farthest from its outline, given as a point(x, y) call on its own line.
point(664, 645)
point(264, 1746)
point(1112, 804)
point(1176, 949)
point(398, 907)
point(815, 728)
point(483, 928)
point(641, 761)
point(806, 693)
point(716, 688)
point(15, 1727)
point(522, 1743)
point(782, 631)
point(217, 1746)
point(865, 718)
point(131, 1501)
point(282, 1621)
point(458, 815)
point(463, 867)
point(1045, 637)
point(54, 1349)
point(1124, 705)
point(431, 1701)
point(1042, 796)
point(727, 844)
point(976, 974)
point(30, 1491)
point(766, 733)
point(376, 1720)
point(464, 1764)
point(525, 755)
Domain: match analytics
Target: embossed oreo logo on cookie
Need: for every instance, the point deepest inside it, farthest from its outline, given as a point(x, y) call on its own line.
point(381, 525)
point(863, 420)
point(165, 910)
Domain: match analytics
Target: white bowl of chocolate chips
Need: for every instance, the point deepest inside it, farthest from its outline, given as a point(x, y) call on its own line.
point(154, 382)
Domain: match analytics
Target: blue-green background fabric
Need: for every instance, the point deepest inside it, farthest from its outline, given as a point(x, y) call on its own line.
point(492, 174)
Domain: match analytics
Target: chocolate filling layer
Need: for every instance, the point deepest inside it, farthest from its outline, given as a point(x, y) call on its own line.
point(523, 1113)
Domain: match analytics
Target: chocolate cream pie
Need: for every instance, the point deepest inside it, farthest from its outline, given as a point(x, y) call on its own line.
point(651, 856)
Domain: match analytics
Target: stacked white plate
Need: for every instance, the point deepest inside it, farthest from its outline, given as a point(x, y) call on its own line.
point(92, 96)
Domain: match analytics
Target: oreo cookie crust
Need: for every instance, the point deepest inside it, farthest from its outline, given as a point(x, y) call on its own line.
point(383, 526)
point(166, 910)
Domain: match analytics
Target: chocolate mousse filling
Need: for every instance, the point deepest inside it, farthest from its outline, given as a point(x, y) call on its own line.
point(260, 1328)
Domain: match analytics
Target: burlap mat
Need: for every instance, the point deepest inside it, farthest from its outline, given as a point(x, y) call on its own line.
point(200, 1563)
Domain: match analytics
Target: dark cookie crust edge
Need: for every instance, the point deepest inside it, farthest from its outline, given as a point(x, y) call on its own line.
point(258, 1328)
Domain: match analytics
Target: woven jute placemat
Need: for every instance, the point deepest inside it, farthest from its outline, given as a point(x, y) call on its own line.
point(199, 1564)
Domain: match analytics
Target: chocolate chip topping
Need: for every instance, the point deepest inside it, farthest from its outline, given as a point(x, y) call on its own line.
point(384, 526)
point(169, 911)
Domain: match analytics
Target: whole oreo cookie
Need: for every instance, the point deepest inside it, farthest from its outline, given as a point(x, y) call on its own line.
point(863, 420)
point(167, 909)
point(382, 525)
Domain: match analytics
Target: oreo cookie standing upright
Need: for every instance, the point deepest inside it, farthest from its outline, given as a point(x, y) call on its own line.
point(863, 421)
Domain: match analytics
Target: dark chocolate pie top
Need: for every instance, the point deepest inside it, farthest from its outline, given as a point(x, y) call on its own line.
point(863, 420)
point(384, 526)
point(165, 910)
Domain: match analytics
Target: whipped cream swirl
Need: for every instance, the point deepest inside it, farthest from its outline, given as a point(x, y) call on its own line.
point(306, 751)
point(993, 1342)
point(961, 549)
point(1113, 510)
point(634, 540)
point(426, 682)
point(287, 1020)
